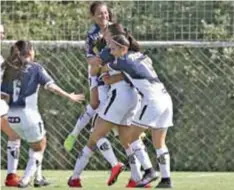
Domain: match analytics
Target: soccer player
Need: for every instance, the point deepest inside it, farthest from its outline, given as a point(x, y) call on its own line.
point(13, 143)
point(112, 114)
point(101, 15)
point(156, 112)
point(21, 80)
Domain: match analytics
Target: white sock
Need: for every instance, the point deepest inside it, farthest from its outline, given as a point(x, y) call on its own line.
point(83, 120)
point(35, 159)
point(38, 174)
point(163, 158)
point(141, 154)
point(82, 162)
point(135, 165)
point(105, 148)
point(13, 150)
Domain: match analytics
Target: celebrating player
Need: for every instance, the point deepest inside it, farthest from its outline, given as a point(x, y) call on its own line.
point(21, 80)
point(156, 111)
point(102, 16)
point(110, 115)
point(13, 143)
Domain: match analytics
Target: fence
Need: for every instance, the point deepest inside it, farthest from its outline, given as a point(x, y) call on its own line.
point(200, 79)
point(148, 20)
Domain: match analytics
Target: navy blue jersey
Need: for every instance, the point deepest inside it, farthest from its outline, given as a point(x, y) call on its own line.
point(23, 90)
point(94, 42)
point(140, 72)
point(106, 56)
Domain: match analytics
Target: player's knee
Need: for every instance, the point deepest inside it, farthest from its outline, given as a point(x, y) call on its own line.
point(94, 104)
point(39, 146)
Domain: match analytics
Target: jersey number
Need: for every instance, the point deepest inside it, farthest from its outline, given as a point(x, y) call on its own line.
point(16, 90)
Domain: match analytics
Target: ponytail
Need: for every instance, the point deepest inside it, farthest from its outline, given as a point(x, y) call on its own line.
point(16, 60)
point(134, 46)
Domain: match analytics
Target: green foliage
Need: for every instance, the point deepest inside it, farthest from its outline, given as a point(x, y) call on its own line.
point(148, 20)
point(200, 80)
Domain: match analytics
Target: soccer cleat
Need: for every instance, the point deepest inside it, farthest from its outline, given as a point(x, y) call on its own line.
point(40, 183)
point(115, 171)
point(23, 185)
point(69, 142)
point(133, 184)
point(74, 182)
point(12, 180)
point(148, 177)
point(164, 183)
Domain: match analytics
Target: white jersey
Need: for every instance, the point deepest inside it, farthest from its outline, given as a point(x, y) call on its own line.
point(122, 102)
point(156, 105)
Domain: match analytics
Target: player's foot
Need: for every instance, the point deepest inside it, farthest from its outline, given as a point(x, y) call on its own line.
point(133, 184)
point(12, 180)
point(74, 182)
point(115, 171)
point(149, 176)
point(165, 183)
point(21, 184)
point(69, 142)
point(40, 183)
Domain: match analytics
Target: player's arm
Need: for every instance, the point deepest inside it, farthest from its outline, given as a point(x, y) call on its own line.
point(48, 83)
point(110, 79)
point(113, 78)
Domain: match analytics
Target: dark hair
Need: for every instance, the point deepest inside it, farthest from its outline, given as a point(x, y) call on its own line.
point(94, 5)
point(16, 60)
point(122, 40)
point(118, 29)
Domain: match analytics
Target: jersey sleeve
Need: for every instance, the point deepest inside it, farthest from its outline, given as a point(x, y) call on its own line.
point(44, 78)
point(89, 46)
point(121, 65)
point(106, 56)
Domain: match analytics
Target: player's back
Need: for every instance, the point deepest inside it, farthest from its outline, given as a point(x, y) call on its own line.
point(139, 70)
point(24, 85)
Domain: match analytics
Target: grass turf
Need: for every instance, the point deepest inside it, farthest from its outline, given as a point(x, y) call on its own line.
point(96, 180)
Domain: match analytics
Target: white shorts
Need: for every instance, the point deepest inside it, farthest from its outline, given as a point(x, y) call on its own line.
point(155, 114)
point(120, 106)
point(27, 123)
point(3, 108)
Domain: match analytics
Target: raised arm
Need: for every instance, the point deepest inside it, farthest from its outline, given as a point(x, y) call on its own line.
point(45, 80)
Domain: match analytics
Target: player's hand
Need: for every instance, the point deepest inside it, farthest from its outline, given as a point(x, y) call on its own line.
point(94, 60)
point(77, 97)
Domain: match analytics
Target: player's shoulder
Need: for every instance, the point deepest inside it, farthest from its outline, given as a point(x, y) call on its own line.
point(33, 67)
point(133, 56)
point(94, 29)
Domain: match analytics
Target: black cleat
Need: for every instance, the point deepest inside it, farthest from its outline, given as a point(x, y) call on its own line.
point(42, 182)
point(23, 185)
point(165, 183)
point(149, 176)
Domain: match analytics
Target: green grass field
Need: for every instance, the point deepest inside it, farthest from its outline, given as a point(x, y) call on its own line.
point(96, 180)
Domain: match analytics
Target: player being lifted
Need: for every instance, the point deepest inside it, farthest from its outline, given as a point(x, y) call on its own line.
point(102, 17)
point(156, 112)
point(114, 114)
point(21, 81)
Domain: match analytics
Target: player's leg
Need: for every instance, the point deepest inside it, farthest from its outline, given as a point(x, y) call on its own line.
point(141, 153)
point(101, 129)
point(135, 166)
point(33, 132)
point(163, 156)
point(85, 118)
point(159, 141)
point(36, 152)
point(13, 146)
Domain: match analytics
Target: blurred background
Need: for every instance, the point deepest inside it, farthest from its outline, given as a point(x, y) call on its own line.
point(198, 73)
